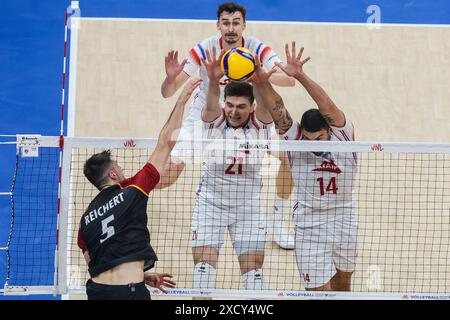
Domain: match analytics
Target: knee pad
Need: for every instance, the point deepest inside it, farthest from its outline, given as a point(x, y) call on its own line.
point(204, 276)
point(253, 280)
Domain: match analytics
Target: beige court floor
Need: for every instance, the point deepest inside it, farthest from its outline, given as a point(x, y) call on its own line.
point(391, 82)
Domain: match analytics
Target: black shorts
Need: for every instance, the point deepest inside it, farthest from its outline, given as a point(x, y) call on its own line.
point(132, 291)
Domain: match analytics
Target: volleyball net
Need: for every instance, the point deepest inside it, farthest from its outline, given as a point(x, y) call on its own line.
point(400, 194)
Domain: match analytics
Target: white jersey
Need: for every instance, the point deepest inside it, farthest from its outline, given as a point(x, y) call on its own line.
point(265, 54)
point(325, 183)
point(232, 178)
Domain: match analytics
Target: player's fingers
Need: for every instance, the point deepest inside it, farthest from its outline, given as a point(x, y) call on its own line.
point(208, 56)
point(190, 87)
point(280, 65)
point(293, 49)
point(299, 56)
point(183, 62)
point(257, 62)
point(195, 83)
point(169, 283)
point(166, 274)
point(306, 60)
point(286, 50)
point(271, 72)
point(214, 53)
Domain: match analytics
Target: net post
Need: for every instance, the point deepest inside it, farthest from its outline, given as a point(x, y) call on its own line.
point(63, 217)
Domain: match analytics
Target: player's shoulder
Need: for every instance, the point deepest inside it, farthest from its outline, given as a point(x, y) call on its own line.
point(251, 39)
point(252, 42)
point(209, 42)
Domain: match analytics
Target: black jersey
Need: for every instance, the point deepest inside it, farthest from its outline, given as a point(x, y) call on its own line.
point(114, 227)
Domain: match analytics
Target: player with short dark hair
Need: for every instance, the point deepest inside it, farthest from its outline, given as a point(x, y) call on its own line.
point(231, 7)
point(231, 23)
point(113, 233)
point(229, 192)
point(325, 207)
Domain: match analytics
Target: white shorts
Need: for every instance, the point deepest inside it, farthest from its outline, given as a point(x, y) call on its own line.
point(192, 128)
point(245, 226)
point(320, 250)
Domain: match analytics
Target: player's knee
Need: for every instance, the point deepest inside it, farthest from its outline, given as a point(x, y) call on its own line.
point(245, 247)
point(250, 253)
point(204, 276)
point(253, 280)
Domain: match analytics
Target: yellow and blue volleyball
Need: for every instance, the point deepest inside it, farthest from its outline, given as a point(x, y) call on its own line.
point(238, 64)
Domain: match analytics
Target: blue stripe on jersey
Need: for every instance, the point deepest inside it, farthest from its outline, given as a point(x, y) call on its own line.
point(295, 207)
point(202, 51)
point(259, 48)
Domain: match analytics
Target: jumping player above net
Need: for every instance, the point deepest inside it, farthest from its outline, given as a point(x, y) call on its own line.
point(113, 232)
point(325, 208)
point(231, 24)
point(229, 192)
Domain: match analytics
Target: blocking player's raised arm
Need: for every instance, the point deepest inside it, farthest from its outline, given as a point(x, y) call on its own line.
point(269, 58)
point(212, 110)
point(262, 112)
point(280, 79)
point(294, 68)
point(168, 135)
point(175, 76)
point(271, 100)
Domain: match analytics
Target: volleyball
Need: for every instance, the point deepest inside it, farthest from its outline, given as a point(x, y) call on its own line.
point(238, 64)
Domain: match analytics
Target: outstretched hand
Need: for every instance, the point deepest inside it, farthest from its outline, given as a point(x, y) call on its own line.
point(261, 75)
point(189, 88)
point(294, 63)
point(212, 65)
point(159, 280)
point(173, 67)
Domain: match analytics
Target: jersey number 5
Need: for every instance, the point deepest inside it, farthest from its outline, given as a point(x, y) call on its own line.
point(331, 187)
point(235, 160)
point(108, 230)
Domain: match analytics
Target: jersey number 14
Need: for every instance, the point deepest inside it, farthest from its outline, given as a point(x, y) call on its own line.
point(331, 187)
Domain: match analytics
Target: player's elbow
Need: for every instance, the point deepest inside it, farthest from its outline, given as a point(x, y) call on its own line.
point(165, 93)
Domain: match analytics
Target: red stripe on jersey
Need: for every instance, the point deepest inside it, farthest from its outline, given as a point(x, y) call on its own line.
point(337, 136)
point(220, 120)
point(265, 51)
point(146, 179)
point(81, 243)
point(344, 135)
point(195, 56)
